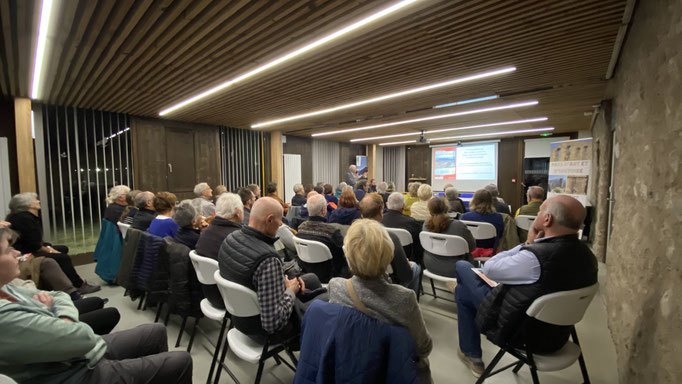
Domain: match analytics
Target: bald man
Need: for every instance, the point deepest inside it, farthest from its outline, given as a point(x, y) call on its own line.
point(248, 257)
point(551, 260)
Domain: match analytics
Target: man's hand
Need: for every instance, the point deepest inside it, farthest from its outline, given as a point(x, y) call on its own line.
point(44, 298)
point(66, 319)
point(300, 281)
point(534, 234)
point(292, 284)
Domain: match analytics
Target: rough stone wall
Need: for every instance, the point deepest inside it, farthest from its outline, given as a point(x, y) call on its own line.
point(644, 256)
point(601, 179)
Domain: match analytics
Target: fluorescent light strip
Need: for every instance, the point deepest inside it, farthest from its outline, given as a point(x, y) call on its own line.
point(467, 101)
point(469, 112)
point(533, 120)
point(40, 47)
point(291, 55)
point(495, 133)
point(399, 142)
point(397, 94)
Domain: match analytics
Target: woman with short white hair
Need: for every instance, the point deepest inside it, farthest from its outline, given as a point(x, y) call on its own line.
point(189, 221)
point(117, 203)
point(369, 251)
point(420, 210)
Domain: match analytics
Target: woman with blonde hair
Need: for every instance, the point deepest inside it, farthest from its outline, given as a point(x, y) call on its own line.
point(411, 197)
point(482, 209)
point(419, 210)
point(369, 251)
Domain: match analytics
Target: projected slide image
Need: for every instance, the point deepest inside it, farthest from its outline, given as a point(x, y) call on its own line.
point(476, 162)
point(445, 161)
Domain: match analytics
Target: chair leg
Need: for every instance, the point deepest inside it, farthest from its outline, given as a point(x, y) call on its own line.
point(490, 366)
point(581, 359)
point(139, 305)
point(194, 332)
point(433, 288)
point(260, 371)
point(518, 367)
point(158, 312)
point(217, 350)
point(534, 374)
point(168, 313)
point(292, 357)
point(182, 329)
point(222, 360)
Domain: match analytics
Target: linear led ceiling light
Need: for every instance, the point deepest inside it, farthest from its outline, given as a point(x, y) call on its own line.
point(40, 46)
point(398, 94)
point(462, 113)
point(533, 120)
point(332, 36)
point(475, 135)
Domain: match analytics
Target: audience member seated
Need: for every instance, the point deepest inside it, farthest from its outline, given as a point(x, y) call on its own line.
point(360, 189)
point(391, 188)
point(317, 229)
point(144, 202)
point(405, 273)
point(25, 220)
point(535, 195)
point(455, 204)
point(271, 191)
point(552, 260)
point(419, 210)
point(440, 222)
point(498, 202)
point(163, 224)
point(339, 189)
point(347, 210)
point(369, 250)
point(372, 186)
point(43, 340)
point(329, 195)
point(247, 198)
point(381, 190)
point(411, 197)
point(229, 218)
point(203, 191)
point(394, 218)
point(299, 197)
point(45, 274)
point(117, 203)
point(481, 209)
point(219, 190)
point(130, 210)
point(189, 222)
point(255, 189)
point(247, 257)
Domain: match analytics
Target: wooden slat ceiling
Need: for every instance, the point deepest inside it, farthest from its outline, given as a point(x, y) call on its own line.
point(140, 57)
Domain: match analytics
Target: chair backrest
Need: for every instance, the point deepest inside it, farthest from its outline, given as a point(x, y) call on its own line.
point(6, 380)
point(239, 300)
point(524, 221)
point(312, 251)
point(564, 307)
point(204, 267)
point(123, 227)
point(403, 235)
point(481, 230)
point(443, 245)
point(454, 215)
point(293, 212)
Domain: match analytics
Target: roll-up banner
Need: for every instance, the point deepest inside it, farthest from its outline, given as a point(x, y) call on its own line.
point(570, 165)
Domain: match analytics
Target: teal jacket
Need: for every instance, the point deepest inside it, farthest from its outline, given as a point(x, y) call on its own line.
point(37, 346)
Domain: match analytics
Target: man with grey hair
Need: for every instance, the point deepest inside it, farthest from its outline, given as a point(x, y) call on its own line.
point(204, 192)
point(381, 190)
point(316, 228)
point(299, 197)
point(535, 195)
point(117, 203)
point(553, 259)
point(499, 204)
point(455, 204)
point(352, 175)
point(187, 218)
point(394, 218)
point(144, 201)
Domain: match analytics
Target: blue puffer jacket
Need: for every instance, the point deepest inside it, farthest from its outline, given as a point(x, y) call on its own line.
point(145, 261)
point(342, 345)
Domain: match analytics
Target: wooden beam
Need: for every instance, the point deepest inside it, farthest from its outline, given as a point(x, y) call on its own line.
point(371, 161)
point(25, 158)
point(276, 161)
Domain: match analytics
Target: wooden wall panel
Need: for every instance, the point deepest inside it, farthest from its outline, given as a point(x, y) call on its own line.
point(302, 146)
point(510, 171)
point(26, 162)
point(7, 130)
point(276, 162)
point(418, 162)
point(181, 159)
point(207, 156)
point(149, 159)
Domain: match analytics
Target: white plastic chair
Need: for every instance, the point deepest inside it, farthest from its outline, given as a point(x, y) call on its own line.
point(241, 301)
point(123, 227)
point(6, 380)
point(524, 221)
point(564, 308)
point(454, 215)
point(403, 235)
point(481, 231)
point(205, 268)
point(442, 245)
point(293, 212)
point(312, 252)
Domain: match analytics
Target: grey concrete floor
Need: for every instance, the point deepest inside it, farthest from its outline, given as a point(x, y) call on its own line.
point(441, 321)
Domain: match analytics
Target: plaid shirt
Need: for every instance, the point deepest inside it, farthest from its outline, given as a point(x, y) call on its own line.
point(276, 302)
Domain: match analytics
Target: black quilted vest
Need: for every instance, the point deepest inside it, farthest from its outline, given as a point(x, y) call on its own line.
point(240, 255)
point(565, 264)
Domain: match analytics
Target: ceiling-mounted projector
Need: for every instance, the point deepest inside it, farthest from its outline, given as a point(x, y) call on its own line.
point(422, 139)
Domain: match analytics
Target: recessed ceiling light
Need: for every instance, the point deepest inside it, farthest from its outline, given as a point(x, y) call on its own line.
point(332, 36)
point(462, 113)
point(533, 120)
point(476, 100)
point(40, 46)
point(495, 133)
point(397, 94)
point(399, 142)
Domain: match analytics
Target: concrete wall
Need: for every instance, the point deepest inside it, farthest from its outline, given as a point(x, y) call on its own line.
point(644, 255)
